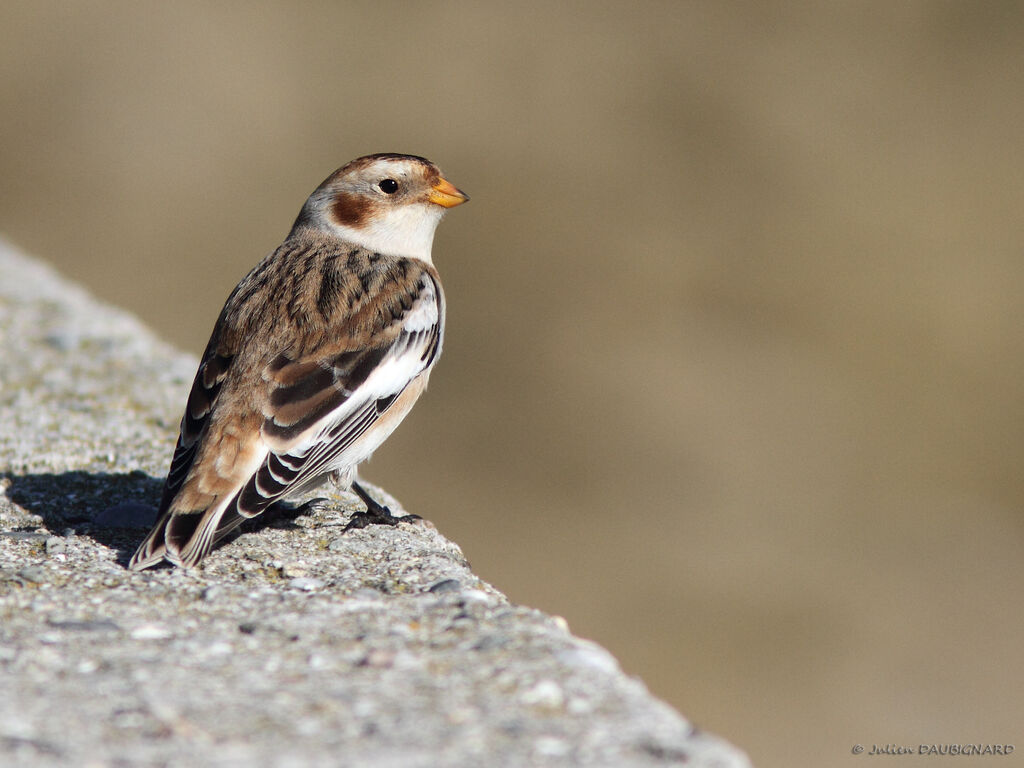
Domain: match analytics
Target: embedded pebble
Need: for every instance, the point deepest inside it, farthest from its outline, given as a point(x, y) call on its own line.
point(447, 585)
point(212, 592)
point(591, 655)
point(34, 573)
point(306, 584)
point(476, 596)
point(55, 545)
point(550, 746)
point(294, 570)
point(378, 657)
point(150, 632)
point(546, 694)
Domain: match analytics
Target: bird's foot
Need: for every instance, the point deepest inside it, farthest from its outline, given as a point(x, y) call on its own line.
point(375, 514)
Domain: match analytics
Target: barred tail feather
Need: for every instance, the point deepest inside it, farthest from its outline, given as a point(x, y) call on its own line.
point(151, 552)
point(189, 537)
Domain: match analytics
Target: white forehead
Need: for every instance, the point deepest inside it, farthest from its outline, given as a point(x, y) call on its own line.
point(385, 167)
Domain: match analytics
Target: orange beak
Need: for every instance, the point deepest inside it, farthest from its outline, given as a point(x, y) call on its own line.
point(444, 193)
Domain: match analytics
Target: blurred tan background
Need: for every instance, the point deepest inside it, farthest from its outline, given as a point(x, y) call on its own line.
point(734, 373)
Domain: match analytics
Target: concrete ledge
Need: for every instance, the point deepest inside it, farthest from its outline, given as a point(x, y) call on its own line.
point(291, 646)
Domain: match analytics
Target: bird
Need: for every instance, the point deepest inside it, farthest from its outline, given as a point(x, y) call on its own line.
point(316, 357)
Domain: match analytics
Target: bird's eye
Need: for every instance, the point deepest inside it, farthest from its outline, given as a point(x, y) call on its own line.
point(388, 186)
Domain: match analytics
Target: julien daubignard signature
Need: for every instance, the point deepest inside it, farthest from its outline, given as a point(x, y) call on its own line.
point(933, 749)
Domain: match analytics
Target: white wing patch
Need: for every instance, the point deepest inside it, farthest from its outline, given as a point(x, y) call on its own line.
point(348, 433)
point(425, 310)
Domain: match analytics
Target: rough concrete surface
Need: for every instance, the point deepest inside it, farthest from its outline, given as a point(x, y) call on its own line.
point(293, 644)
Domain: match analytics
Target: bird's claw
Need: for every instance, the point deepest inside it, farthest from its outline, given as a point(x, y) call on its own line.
point(375, 514)
point(373, 517)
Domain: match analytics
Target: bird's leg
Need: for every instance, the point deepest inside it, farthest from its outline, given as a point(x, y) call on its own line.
point(376, 513)
point(340, 479)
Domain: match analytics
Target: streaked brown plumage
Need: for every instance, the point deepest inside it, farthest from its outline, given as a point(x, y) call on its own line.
point(318, 354)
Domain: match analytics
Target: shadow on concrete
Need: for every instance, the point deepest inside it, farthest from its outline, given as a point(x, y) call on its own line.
point(114, 509)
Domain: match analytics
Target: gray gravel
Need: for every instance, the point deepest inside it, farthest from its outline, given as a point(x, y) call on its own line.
point(293, 645)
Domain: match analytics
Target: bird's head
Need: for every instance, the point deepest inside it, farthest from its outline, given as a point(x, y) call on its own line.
point(387, 203)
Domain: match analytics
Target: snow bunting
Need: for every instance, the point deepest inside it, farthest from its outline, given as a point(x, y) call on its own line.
point(317, 356)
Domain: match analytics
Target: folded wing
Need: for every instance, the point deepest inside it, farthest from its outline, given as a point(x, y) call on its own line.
point(315, 407)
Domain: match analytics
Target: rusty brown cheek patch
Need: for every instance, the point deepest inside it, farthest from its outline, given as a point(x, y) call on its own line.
point(350, 210)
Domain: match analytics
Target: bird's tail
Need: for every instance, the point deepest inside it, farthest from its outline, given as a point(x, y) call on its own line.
point(185, 537)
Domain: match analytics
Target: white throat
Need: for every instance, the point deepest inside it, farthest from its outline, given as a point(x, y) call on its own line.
point(404, 231)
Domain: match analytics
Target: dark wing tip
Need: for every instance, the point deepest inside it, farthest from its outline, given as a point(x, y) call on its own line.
point(150, 552)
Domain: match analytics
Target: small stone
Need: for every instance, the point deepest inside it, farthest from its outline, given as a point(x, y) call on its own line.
point(35, 574)
point(150, 632)
point(63, 340)
point(338, 544)
point(378, 658)
point(550, 746)
point(476, 596)
point(318, 661)
point(306, 584)
point(561, 623)
point(55, 545)
point(579, 706)
point(448, 585)
point(294, 570)
point(493, 641)
point(587, 654)
point(547, 694)
point(212, 592)
point(128, 719)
